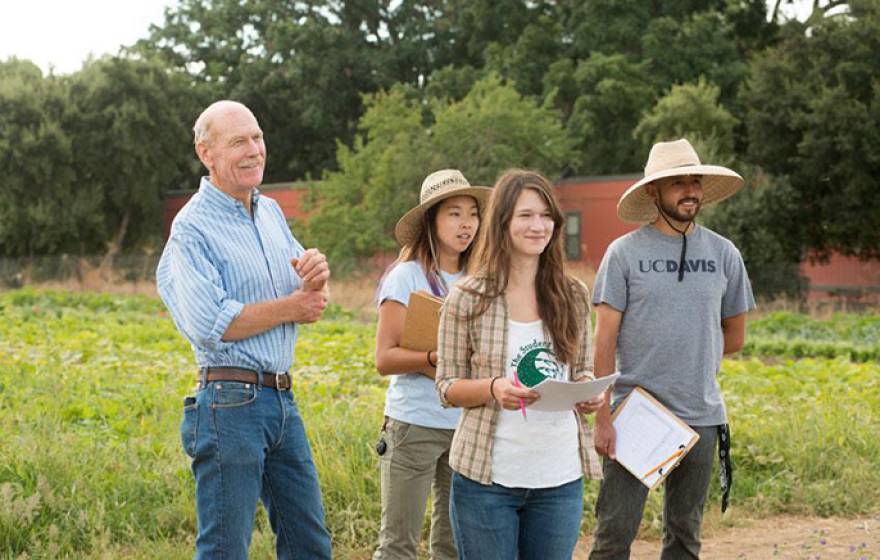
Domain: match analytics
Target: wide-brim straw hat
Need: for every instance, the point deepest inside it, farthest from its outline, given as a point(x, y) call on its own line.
point(673, 159)
point(436, 188)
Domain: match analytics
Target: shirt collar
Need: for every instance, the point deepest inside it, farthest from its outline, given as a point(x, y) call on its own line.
point(219, 199)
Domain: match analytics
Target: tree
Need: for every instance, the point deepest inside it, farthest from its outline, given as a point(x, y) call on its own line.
point(525, 61)
point(131, 121)
point(303, 66)
point(691, 111)
point(402, 139)
point(494, 128)
point(300, 66)
point(603, 97)
point(376, 171)
point(606, 26)
point(703, 44)
point(88, 158)
point(813, 115)
point(615, 26)
point(762, 222)
point(43, 208)
point(452, 83)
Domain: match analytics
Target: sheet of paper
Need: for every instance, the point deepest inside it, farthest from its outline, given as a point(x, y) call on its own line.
point(647, 437)
point(562, 395)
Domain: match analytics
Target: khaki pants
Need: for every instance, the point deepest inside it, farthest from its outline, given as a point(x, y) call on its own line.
point(415, 463)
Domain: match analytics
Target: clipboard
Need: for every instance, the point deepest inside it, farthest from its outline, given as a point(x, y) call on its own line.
point(651, 440)
point(422, 322)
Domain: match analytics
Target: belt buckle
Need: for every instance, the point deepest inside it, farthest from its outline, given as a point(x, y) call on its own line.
point(278, 377)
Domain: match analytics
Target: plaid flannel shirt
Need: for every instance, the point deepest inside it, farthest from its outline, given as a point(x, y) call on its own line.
point(477, 349)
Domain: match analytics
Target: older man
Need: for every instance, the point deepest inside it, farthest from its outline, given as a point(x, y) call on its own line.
point(237, 284)
point(670, 300)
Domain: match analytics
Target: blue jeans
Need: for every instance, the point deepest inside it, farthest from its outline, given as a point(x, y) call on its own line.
point(247, 443)
point(499, 523)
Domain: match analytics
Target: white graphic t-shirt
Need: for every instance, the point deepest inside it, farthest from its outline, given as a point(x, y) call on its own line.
point(541, 450)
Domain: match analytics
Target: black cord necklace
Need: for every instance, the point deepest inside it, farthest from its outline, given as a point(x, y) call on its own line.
point(684, 240)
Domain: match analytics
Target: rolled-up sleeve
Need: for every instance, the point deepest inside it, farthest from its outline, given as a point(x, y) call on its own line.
point(583, 366)
point(453, 343)
point(191, 287)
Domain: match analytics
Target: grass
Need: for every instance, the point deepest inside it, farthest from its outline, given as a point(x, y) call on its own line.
point(787, 334)
point(91, 388)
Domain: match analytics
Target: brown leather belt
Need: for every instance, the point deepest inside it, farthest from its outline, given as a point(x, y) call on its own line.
point(279, 381)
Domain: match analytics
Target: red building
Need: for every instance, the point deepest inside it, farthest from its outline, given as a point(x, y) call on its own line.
point(590, 205)
point(846, 278)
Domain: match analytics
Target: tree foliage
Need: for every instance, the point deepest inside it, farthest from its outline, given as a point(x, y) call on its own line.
point(691, 111)
point(401, 139)
point(603, 97)
point(702, 44)
point(797, 101)
point(131, 121)
point(89, 158)
point(41, 209)
point(761, 220)
point(813, 115)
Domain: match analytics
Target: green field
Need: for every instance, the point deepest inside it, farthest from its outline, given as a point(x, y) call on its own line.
point(793, 335)
point(91, 388)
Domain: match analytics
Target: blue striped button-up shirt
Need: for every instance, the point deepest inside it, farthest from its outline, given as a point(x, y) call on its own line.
point(218, 259)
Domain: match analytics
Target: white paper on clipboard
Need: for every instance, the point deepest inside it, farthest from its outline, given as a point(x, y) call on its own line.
point(651, 440)
point(562, 395)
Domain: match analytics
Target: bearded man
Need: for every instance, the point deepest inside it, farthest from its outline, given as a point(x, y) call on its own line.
point(671, 299)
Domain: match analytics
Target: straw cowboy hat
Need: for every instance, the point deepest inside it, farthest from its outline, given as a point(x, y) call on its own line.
point(436, 187)
point(672, 159)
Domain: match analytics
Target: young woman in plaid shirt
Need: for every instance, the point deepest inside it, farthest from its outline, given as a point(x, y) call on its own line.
point(517, 487)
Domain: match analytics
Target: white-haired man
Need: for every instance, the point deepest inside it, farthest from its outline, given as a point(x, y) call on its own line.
point(237, 284)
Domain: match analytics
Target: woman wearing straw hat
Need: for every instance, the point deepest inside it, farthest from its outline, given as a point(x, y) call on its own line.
point(436, 239)
point(671, 299)
point(517, 491)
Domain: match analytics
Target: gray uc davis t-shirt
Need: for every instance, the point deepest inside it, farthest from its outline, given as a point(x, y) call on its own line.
point(670, 339)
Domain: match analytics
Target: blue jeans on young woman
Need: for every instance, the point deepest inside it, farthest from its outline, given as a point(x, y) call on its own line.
point(247, 443)
point(493, 522)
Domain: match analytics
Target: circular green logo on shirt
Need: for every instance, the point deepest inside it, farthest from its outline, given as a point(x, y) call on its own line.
point(536, 366)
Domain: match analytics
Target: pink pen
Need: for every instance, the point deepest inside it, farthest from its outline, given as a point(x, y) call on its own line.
point(522, 404)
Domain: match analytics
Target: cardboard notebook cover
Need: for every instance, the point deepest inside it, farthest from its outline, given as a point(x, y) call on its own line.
point(651, 440)
point(422, 322)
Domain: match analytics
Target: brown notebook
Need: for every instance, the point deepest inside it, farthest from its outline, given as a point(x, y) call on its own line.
point(422, 322)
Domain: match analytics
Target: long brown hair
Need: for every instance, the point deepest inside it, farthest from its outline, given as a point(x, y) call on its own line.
point(560, 296)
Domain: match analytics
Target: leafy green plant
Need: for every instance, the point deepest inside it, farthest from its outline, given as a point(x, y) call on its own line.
point(785, 334)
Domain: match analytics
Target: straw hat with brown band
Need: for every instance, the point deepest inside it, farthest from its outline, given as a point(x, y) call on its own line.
point(674, 159)
point(436, 188)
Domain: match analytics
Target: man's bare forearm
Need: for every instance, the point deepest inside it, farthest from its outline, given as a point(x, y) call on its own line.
point(254, 319)
point(257, 318)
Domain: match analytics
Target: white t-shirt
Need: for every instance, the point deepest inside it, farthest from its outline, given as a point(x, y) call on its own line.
point(412, 397)
point(541, 450)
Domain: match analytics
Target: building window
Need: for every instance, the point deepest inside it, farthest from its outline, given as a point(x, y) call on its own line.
point(573, 235)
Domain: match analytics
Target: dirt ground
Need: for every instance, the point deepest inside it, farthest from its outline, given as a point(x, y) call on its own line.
point(776, 537)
